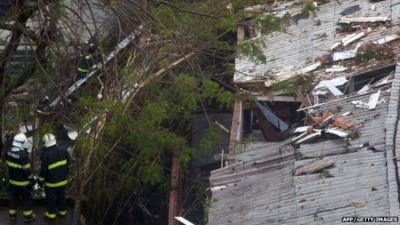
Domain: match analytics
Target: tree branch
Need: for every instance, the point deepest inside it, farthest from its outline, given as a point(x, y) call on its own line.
point(185, 10)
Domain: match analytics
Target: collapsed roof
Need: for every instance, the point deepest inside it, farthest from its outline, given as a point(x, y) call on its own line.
point(343, 161)
point(307, 40)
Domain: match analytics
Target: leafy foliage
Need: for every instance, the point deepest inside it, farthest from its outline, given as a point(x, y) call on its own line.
point(149, 137)
point(309, 6)
point(253, 50)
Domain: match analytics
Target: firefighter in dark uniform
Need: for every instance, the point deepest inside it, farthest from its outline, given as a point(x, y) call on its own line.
point(87, 61)
point(20, 179)
point(53, 176)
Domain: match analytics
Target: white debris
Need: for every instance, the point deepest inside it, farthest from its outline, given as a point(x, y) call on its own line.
point(332, 84)
point(373, 100)
point(348, 20)
point(360, 104)
point(386, 39)
point(310, 137)
point(332, 89)
point(355, 36)
point(183, 220)
point(290, 72)
point(347, 113)
point(218, 188)
point(299, 136)
point(335, 82)
point(363, 89)
point(373, 7)
point(301, 129)
point(334, 46)
point(222, 127)
point(383, 81)
point(337, 132)
point(336, 68)
point(337, 56)
point(320, 92)
point(309, 68)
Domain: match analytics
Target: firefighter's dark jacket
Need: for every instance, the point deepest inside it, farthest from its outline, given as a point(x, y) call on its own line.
point(54, 168)
point(19, 167)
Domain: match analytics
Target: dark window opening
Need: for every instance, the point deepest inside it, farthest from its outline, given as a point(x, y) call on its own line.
point(271, 121)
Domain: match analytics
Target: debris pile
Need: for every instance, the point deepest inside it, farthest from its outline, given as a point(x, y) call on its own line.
point(327, 124)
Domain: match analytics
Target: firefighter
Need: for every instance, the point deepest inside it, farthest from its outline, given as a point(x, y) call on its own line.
point(53, 176)
point(20, 179)
point(87, 61)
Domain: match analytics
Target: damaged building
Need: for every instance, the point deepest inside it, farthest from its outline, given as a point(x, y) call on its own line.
point(315, 139)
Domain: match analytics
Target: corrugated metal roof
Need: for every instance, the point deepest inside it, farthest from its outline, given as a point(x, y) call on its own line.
point(302, 43)
point(261, 188)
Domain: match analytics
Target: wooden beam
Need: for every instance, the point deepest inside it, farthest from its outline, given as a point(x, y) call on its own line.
point(237, 126)
point(174, 194)
point(240, 33)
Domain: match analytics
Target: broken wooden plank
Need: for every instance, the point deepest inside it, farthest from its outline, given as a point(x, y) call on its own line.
point(314, 167)
point(310, 137)
point(342, 123)
point(338, 56)
point(299, 137)
point(355, 36)
point(336, 132)
point(332, 84)
point(309, 68)
point(237, 125)
point(387, 39)
point(336, 68)
point(376, 19)
point(290, 72)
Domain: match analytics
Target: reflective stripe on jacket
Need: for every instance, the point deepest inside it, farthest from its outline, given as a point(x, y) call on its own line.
point(19, 167)
point(54, 166)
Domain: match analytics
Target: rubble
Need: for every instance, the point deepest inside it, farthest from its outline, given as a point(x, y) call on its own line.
point(352, 99)
point(355, 36)
point(331, 85)
point(342, 123)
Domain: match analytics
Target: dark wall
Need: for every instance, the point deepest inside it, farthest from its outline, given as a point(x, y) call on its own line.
point(200, 126)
